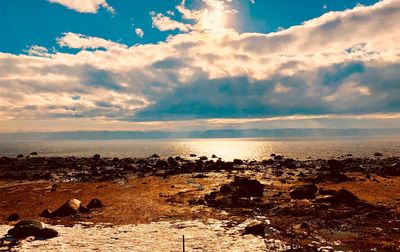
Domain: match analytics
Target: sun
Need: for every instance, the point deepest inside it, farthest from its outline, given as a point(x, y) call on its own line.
point(214, 20)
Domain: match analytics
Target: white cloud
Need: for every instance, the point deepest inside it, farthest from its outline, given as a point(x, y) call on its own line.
point(39, 51)
point(85, 6)
point(79, 41)
point(164, 23)
point(139, 32)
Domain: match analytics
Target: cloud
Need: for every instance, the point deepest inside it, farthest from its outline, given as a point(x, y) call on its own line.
point(39, 51)
point(79, 41)
point(85, 6)
point(341, 63)
point(139, 32)
point(164, 23)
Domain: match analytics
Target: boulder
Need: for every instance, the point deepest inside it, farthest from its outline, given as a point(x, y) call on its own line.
point(245, 187)
point(393, 170)
point(94, 203)
point(35, 228)
point(330, 176)
point(13, 217)
point(304, 192)
point(46, 213)
point(71, 207)
point(34, 153)
point(255, 228)
point(238, 162)
point(341, 196)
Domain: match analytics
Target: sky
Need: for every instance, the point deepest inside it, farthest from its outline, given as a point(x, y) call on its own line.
point(68, 65)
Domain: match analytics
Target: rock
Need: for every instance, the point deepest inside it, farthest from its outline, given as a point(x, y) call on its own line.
point(255, 228)
point(96, 157)
point(245, 187)
point(200, 176)
point(341, 196)
point(71, 207)
point(378, 154)
point(242, 192)
point(289, 163)
point(214, 156)
point(13, 217)
point(203, 158)
point(331, 176)
point(53, 187)
point(393, 170)
point(304, 192)
point(161, 164)
point(84, 209)
point(193, 155)
point(172, 161)
point(323, 191)
point(334, 164)
point(35, 228)
point(155, 156)
point(20, 156)
point(34, 153)
point(238, 162)
point(95, 203)
point(46, 213)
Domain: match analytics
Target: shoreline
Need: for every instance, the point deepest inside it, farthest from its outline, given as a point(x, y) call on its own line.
point(152, 190)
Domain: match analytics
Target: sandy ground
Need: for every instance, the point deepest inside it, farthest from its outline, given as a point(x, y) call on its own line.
point(158, 236)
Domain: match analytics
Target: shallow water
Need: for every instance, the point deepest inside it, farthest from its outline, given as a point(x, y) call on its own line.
point(228, 149)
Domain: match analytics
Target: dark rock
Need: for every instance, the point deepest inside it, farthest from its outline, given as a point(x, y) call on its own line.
point(71, 207)
point(200, 176)
point(161, 164)
point(48, 233)
point(334, 164)
point(331, 176)
point(245, 187)
point(242, 192)
point(46, 213)
point(304, 192)
point(193, 155)
point(323, 191)
point(20, 156)
point(34, 153)
point(155, 156)
point(255, 228)
point(172, 161)
point(289, 163)
point(96, 157)
point(393, 170)
point(13, 217)
point(378, 154)
point(268, 162)
point(95, 203)
point(238, 162)
point(84, 209)
point(27, 228)
point(341, 196)
point(203, 158)
point(213, 156)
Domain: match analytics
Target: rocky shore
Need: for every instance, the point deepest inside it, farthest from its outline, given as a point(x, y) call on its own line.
point(340, 204)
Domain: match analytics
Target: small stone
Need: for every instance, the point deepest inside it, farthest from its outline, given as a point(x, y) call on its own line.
point(13, 217)
point(95, 203)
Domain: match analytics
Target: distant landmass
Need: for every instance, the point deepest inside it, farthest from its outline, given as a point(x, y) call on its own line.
point(223, 133)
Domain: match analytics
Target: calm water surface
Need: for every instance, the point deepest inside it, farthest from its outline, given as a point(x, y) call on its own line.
point(228, 149)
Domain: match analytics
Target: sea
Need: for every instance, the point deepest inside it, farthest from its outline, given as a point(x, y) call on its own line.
point(227, 149)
